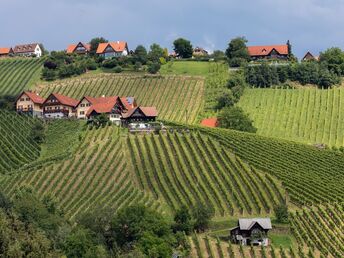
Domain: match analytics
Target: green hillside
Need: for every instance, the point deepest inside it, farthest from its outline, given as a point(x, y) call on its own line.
point(306, 115)
point(18, 74)
point(16, 144)
point(177, 98)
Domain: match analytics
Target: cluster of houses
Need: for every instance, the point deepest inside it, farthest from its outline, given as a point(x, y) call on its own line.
point(119, 110)
point(33, 49)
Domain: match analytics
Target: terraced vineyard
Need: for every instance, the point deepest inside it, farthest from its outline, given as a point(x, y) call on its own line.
point(176, 98)
point(310, 176)
point(306, 115)
point(203, 246)
point(86, 179)
point(321, 228)
point(185, 169)
point(16, 144)
point(18, 74)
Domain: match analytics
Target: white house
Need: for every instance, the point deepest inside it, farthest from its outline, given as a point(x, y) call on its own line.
point(113, 49)
point(33, 49)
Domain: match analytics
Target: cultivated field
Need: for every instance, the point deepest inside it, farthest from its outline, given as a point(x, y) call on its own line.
point(177, 98)
point(18, 74)
point(97, 174)
point(309, 175)
point(306, 115)
point(16, 145)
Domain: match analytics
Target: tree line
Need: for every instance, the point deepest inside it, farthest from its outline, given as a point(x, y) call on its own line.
point(36, 227)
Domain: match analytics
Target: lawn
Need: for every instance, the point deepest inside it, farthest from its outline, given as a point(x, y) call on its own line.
point(186, 68)
point(281, 239)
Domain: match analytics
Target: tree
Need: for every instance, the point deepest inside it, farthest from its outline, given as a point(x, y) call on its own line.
point(226, 99)
point(218, 55)
point(183, 48)
point(140, 54)
point(237, 52)
point(79, 244)
point(202, 215)
point(100, 120)
point(155, 53)
point(183, 220)
point(235, 118)
point(94, 44)
point(281, 213)
point(154, 67)
point(37, 132)
point(333, 58)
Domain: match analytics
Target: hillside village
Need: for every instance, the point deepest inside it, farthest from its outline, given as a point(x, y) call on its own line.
point(252, 166)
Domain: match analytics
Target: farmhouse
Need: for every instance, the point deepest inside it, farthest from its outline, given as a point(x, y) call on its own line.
point(113, 49)
point(198, 51)
point(59, 106)
point(80, 48)
point(33, 49)
point(252, 231)
point(6, 52)
point(140, 114)
point(310, 57)
point(30, 103)
point(268, 52)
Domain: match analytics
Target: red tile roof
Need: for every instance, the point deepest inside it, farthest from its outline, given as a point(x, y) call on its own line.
point(147, 111)
point(118, 46)
point(64, 100)
point(210, 122)
point(101, 108)
point(128, 102)
point(98, 100)
point(71, 48)
point(266, 50)
point(5, 50)
point(27, 48)
point(35, 98)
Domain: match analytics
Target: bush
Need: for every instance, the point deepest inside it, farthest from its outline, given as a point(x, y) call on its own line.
point(235, 118)
point(153, 68)
point(118, 69)
point(202, 215)
point(226, 99)
point(110, 63)
point(281, 213)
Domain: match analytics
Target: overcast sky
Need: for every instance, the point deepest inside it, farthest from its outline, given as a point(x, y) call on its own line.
point(309, 24)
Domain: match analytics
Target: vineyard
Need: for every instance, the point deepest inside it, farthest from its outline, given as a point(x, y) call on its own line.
point(16, 144)
point(310, 176)
point(306, 115)
point(185, 169)
point(88, 178)
point(177, 98)
point(321, 228)
point(203, 246)
point(18, 74)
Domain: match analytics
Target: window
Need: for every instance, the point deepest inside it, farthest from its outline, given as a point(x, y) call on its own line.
point(82, 113)
point(22, 99)
point(27, 99)
point(82, 105)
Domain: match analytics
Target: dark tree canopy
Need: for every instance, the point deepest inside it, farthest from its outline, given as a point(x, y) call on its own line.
point(183, 48)
point(237, 52)
point(140, 54)
point(235, 118)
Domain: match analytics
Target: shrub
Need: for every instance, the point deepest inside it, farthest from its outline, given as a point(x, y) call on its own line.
point(235, 118)
point(153, 68)
point(118, 69)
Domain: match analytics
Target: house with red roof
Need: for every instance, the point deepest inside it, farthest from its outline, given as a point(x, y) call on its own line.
point(33, 49)
point(59, 106)
point(113, 49)
point(79, 48)
point(140, 114)
point(269, 52)
point(6, 51)
point(30, 103)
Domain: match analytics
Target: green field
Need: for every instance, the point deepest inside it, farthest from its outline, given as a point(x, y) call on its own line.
point(306, 115)
point(177, 98)
point(16, 144)
point(186, 68)
point(18, 74)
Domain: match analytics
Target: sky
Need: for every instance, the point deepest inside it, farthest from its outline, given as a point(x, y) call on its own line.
point(310, 25)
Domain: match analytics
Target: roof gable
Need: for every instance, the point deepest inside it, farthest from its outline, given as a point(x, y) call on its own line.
point(35, 98)
point(64, 100)
point(118, 46)
point(247, 224)
point(73, 47)
point(27, 48)
point(266, 50)
point(6, 50)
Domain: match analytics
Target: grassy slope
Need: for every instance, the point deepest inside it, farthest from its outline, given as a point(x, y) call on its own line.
point(176, 97)
point(306, 115)
point(17, 74)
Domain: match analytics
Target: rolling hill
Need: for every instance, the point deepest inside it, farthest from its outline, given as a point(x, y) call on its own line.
point(18, 74)
point(307, 115)
point(177, 98)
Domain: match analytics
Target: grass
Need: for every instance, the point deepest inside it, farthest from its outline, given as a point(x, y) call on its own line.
point(186, 68)
point(279, 239)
